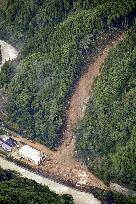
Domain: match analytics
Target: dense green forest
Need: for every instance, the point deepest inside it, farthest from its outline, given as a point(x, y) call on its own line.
point(56, 39)
point(18, 190)
point(106, 137)
point(6, 74)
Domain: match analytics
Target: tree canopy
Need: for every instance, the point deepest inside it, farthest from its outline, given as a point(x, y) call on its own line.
point(18, 190)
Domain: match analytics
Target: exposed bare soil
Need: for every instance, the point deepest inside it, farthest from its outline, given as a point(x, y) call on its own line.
point(63, 161)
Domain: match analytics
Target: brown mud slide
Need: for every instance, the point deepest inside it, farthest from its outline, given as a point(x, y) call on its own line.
point(63, 161)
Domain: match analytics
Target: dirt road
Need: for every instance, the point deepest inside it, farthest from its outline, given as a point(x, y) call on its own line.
point(79, 197)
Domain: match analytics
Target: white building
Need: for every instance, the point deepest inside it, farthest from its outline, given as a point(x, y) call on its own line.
point(31, 154)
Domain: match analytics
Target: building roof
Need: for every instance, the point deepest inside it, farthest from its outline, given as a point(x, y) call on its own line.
point(31, 153)
point(6, 147)
point(11, 142)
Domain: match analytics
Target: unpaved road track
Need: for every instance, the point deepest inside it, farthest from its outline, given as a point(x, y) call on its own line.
point(79, 197)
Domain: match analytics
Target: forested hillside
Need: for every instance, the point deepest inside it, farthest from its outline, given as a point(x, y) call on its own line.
point(17, 190)
point(56, 39)
point(106, 137)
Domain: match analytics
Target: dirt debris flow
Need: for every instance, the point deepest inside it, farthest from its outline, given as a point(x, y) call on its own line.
point(63, 161)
